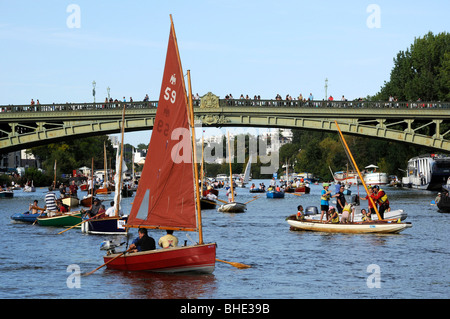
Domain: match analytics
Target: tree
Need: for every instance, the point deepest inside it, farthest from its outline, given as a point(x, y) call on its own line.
point(421, 72)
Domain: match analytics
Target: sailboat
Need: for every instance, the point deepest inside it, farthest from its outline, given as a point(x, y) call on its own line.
point(244, 181)
point(111, 225)
point(232, 207)
point(170, 164)
point(377, 226)
point(105, 188)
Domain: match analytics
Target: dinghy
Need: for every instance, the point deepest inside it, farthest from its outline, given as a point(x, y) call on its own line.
point(166, 168)
point(380, 227)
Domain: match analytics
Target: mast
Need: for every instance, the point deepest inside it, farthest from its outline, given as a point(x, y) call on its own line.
point(54, 182)
point(105, 176)
point(357, 169)
point(194, 164)
point(118, 187)
point(92, 182)
point(231, 173)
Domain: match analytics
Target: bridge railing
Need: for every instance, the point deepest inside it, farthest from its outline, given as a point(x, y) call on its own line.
point(55, 107)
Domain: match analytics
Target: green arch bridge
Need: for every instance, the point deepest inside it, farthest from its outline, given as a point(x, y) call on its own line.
point(419, 123)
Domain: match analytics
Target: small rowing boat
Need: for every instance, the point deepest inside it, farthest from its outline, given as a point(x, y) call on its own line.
point(274, 194)
point(26, 217)
point(60, 220)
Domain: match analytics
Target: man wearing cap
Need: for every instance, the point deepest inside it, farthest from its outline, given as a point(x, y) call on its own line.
point(324, 200)
point(94, 208)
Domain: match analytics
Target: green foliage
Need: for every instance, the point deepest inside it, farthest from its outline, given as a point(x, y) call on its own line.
point(39, 178)
point(320, 151)
point(72, 154)
point(421, 72)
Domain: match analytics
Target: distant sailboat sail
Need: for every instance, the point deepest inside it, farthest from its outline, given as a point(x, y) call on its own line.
point(165, 198)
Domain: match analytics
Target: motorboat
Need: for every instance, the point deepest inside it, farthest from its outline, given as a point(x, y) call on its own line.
point(427, 172)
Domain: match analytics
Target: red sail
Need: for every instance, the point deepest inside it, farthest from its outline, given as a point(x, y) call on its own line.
point(165, 197)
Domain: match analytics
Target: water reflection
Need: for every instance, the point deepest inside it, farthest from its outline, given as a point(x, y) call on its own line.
point(150, 285)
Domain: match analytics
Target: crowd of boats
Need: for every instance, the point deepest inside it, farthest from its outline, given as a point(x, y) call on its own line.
point(159, 202)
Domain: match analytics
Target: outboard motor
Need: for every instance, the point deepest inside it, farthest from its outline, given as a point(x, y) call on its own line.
point(355, 200)
point(110, 246)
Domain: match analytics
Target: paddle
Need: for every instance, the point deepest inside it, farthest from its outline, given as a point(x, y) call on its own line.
point(255, 197)
point(234, 264)
point(79, 223)
point(222, 201)
point(296, 194)
point(122, 253)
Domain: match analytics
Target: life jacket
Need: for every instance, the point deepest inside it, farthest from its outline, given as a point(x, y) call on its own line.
point(325, 197)
point(347, 208)
point(382, 197)
point(335, 220)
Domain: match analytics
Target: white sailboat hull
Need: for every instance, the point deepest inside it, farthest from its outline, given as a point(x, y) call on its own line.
point(233, 207)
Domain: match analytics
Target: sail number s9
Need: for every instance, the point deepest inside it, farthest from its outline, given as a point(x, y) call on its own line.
point(170, 94)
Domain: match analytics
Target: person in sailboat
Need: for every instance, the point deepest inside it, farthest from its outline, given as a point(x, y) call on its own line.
point(325, 197)
point(365, 215)
point(382, 199)
point(168, 240)
point(346, 211)
point(230, 195)
point(94, 208)
point(111, 211)
point(211, 196)
point(334, 216)
point(371, 206)
point(340, 199)
point(143, 242)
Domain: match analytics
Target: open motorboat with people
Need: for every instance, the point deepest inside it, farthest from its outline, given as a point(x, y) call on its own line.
point(443, 202)
point(312, 212)
point(379, 227)
point(155, 205)
point(382, 225)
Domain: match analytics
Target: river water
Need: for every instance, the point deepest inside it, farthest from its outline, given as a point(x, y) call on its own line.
point(38, 263)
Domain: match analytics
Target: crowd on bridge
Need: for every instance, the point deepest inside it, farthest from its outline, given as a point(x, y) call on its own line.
point(278, 101)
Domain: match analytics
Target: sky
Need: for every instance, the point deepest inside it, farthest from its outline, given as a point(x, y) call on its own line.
point(54, 50)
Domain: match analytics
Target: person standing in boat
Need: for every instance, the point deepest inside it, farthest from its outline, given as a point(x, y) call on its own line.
point(50, 202)
point(142, 243)
point(73, 189)
point(325, 200)
point(371, 202)
point(230, 195)
point(382, 199)
point(340, 199)
point(168, 240)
